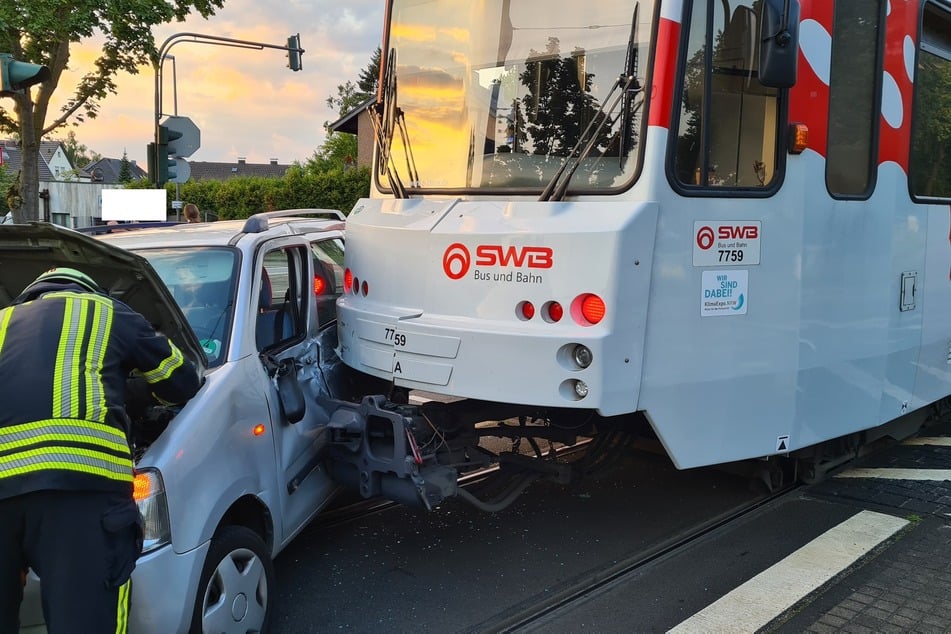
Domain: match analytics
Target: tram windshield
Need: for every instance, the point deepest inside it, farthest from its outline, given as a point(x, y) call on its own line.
point(498, 94)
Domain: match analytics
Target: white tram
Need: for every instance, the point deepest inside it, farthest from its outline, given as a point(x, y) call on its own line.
point(726, 218)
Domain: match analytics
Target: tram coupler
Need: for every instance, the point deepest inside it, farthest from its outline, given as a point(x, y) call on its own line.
point(374, 447)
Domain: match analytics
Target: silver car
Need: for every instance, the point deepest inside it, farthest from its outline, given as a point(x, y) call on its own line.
point(225, 482)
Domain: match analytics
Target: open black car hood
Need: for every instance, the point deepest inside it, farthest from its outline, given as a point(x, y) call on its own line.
point(26, 250)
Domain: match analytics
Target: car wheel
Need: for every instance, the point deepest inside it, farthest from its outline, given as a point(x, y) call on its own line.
point(234, 593)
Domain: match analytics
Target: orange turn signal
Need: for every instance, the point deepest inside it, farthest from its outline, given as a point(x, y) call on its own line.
point(798, 137)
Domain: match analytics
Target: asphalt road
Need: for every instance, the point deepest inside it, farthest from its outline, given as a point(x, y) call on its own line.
point(458, 569)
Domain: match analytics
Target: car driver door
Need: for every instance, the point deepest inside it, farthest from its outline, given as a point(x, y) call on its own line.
point(289, 355)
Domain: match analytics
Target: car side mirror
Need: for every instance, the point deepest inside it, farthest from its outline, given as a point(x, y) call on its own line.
point(289, 391)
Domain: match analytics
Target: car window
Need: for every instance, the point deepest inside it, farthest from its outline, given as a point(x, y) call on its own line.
point(281, 307)
point(202, 282)
point(328, 277)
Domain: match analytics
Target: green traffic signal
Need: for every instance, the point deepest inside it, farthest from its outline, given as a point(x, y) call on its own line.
point(16, 75)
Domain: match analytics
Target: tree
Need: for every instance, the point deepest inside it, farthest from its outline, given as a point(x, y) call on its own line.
point(339, 149)
point(350, 95)
point(558, 104)
point(6, 181)
point(43, 31)
point(78, 154)
point(125, 169)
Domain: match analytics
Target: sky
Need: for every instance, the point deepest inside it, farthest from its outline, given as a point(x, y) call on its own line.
point(245, 102)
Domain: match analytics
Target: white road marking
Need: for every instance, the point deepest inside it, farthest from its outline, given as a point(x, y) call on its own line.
point(898, 474)
point(906, 474)
point(941, 441)
point(776, 589)
point(418, 400)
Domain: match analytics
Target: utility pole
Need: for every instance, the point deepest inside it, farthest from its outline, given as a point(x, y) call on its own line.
point(159, 154)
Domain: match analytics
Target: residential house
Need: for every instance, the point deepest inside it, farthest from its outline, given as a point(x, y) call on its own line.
point(357, 122)
point(68, 196)
point(108, 171)
point(211, 171)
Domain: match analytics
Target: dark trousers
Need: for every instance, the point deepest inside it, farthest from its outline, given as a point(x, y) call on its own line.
point(83, 546)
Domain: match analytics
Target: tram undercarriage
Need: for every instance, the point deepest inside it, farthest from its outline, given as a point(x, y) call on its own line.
point(418, 454)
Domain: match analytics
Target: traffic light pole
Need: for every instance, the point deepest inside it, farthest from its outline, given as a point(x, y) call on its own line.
point(294, 56)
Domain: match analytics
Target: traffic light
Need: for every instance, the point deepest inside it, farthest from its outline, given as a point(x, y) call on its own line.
point(16, 75)
point(162, 167)
point(294, 52)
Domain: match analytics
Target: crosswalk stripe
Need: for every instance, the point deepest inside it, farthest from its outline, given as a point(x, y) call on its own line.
point(419, 400)
point(773, 591)
point(898, 474)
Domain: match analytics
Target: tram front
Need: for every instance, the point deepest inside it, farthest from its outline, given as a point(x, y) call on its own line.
point(506, 251)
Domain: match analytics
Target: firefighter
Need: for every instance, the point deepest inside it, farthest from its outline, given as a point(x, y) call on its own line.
point(66, 352)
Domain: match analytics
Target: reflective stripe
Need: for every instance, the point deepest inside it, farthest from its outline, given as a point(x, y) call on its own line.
point(61, 394)
point(16, 437)
point(5, 316)
point(95, 356)
point(122, 608)
point(166, 367)
point(69, 459)
point(63, 425)
point(71, 371)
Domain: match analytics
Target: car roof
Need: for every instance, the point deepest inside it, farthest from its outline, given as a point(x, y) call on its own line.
point(224, 232)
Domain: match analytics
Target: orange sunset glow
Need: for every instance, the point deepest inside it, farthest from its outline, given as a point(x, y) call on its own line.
point(247, 103)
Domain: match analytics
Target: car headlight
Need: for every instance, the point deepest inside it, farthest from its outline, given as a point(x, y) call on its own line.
point(149, 493)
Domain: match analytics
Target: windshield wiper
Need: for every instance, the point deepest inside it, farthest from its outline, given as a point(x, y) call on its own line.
point(625, 86)
point(387, 117)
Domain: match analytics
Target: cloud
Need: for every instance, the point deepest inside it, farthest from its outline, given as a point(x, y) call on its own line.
point(246, 102)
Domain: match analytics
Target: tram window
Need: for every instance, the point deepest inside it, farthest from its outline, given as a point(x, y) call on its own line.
point(728, 123)
point(930, 159)
point(853, 97)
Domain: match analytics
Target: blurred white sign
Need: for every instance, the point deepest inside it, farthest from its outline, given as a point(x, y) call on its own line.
point(134, 204)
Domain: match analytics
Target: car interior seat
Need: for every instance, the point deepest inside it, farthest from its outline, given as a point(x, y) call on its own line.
point(274, 321)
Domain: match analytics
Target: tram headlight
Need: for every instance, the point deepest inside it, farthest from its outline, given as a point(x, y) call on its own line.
point(582, 355)
point(581, 389)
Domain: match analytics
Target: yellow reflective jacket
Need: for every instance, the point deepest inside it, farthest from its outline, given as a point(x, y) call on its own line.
point(65, 356)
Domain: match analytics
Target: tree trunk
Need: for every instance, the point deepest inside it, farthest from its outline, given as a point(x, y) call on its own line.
point(29, 209)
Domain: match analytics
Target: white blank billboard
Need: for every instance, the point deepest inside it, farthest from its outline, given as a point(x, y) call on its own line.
point(134, 204)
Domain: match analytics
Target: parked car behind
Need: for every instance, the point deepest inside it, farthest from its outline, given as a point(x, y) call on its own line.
point(225, 482)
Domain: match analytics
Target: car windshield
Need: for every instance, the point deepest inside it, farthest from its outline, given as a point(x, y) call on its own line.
point(202, 281)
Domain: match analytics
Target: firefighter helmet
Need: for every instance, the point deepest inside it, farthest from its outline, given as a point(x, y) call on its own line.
point(66, 274)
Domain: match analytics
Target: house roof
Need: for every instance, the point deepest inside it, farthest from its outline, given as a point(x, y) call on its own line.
point(210, 171)
point(107, 170)
point(348, 122)
point(13, 158)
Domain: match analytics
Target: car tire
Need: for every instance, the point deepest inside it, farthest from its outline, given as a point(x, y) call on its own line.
point(234, 592)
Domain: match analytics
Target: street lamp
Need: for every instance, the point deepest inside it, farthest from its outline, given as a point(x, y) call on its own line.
point(156, 148)
point(174, 81)
point(177, 203)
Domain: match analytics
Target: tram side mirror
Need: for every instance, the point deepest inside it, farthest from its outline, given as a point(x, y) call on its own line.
point(779, 43)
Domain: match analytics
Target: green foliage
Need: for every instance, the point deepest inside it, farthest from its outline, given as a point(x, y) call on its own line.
point(78, 154)
point(350, 95)
point(43, 32)
point(125, 169)
point(338, 151)
point(244, 196)
point(6, 180)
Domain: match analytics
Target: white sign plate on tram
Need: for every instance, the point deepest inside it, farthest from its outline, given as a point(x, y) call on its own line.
point(725, 292)
point(731, 243)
